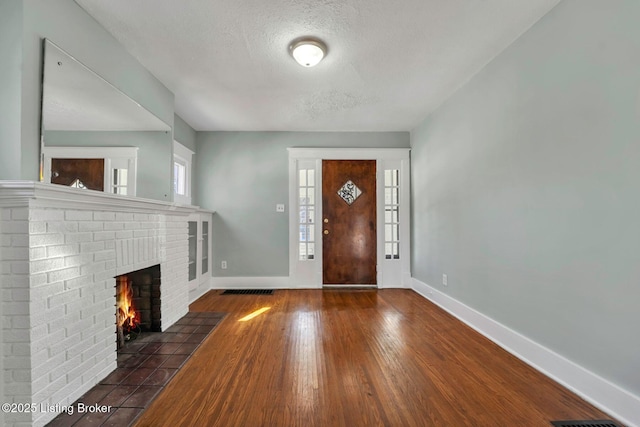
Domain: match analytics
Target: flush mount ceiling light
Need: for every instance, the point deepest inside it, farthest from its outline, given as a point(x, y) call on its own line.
point(308, 51)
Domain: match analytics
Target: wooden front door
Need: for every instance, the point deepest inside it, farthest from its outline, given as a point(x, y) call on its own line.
point(81, 173)
point(349, 222)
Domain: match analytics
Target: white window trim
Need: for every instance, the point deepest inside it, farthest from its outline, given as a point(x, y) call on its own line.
point(184, 156)
point(109, 154)
point(393, 273)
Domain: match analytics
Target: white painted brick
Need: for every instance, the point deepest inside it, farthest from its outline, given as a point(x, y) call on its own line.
point(73, 386)
point(44, 289)
point(73, 308)
point(46, 239)
point(63, 298)
point(124, 234)
point(78, 260)
point(56, 325)
point(105, 275)
point(20, 214)
point(104, 216)
point(15, 227)
point(21, 375)
point(90, 226)
point(132, 225)
point(124, 216)
point(63, 274)
point(21, 349)
point(78, 215)
point(19, 240)
point(36, 227)
point(46, 215)
point(62, 227)
point(95, 267)
point(113, 226)
point(5, 239)
point(45, 265)
point(92, 247)
point(75, 351)
point(104, 235)
point(37, 253)
point(21, 389)
point(19, 268)
point(62, 250)
point(39, 332)
point(14, 254)
point(79, 237)
point(20, 295)
point(13, 362)
point(140, 233)
point(79, 282)
point(19, 308)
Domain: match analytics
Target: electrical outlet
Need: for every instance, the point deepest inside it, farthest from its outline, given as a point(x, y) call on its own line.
point(223, 265)
point(444, 280)
point(280, 207)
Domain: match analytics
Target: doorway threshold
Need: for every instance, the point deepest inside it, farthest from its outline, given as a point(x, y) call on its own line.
point(355, 287)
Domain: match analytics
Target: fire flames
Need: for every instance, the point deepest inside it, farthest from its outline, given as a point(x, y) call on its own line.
point(128, 318)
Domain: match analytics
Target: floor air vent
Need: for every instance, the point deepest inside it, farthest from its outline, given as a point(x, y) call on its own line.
point(582, 423)
point(248, 292)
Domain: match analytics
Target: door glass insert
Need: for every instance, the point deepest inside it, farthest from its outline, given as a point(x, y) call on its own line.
point(78, 184)
point(306, 224)
point(193, 247)
point(349, 192)
point(205, 247)
point(391, 214)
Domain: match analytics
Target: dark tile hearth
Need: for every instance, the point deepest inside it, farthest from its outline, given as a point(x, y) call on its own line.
point(145, 366)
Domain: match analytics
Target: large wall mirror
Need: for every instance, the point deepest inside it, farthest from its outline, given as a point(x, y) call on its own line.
point(96, 137)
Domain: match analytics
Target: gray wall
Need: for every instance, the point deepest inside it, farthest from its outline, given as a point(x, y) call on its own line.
point(10, 83)
point(526, 188)
point(155, 157)
point(183, 133)
point(10, 88)
point(67, 25)
point(243, 175)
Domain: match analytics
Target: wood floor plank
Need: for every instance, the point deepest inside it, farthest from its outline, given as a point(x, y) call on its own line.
point(353, 358)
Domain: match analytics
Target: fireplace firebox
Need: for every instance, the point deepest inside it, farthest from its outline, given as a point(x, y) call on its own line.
point(137, 304)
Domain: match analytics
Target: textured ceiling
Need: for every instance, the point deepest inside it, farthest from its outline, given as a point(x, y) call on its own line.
point(389, 64)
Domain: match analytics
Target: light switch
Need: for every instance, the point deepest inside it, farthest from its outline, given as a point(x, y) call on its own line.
point(280, 207)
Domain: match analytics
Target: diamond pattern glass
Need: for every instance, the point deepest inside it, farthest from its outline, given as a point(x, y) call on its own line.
point(349, 192)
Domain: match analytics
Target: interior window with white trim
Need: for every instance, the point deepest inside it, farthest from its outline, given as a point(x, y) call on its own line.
point(181, 173)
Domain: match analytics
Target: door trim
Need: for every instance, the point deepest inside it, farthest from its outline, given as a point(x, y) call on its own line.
point(391, 273)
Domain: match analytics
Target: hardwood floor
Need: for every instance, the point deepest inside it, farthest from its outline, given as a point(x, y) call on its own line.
point(353, 358)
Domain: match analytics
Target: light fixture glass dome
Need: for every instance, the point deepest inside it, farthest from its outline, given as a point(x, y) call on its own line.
point(308, 52)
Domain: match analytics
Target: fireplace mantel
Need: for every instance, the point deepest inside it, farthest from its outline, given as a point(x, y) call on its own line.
point(38, 194)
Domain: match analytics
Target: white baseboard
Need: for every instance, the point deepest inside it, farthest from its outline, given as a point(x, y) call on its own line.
point(250, 282)
point(610, 398)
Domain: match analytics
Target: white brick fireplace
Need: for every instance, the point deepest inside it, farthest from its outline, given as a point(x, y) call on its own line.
point(60, 250)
